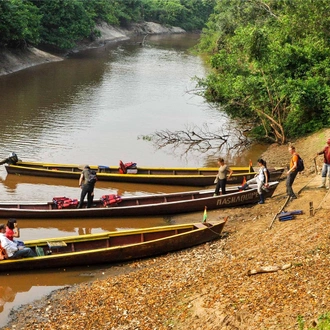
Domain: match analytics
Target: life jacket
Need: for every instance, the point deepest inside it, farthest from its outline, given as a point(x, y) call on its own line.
point(110, 199)
point(130, 165)
point(123, 167)
point(65, 203)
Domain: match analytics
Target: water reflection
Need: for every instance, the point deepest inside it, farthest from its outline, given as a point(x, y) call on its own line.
point(47, 228)
point(30, 188)
point(16, 290)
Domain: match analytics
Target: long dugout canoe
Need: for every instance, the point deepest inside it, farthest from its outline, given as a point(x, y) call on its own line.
point(189, 176)
point(146, 205)
point(113, 247)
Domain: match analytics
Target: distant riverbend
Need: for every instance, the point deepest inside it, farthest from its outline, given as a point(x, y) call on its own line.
point(12, 60)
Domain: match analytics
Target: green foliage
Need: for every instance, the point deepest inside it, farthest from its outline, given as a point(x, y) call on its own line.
point(19, 23)
point(64, 22)
point(270, 64)
point(322, 324)
point(187, 14)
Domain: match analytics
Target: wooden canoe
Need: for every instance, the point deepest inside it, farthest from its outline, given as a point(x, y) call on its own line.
point(181, 176)
point(110, 247)
point(145, 205)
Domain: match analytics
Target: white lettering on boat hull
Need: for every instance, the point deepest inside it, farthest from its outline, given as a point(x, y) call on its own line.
point(237, 199)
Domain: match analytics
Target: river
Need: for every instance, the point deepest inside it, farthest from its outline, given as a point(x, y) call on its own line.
point(93, 108)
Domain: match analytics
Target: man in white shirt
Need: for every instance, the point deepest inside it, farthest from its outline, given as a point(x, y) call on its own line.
point(11, 247)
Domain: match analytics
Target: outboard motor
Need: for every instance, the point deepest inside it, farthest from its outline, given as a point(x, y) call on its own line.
point(11, 160)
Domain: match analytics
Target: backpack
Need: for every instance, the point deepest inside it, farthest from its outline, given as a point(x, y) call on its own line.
point(300, 164)
point(92, 178)
point(3, 253)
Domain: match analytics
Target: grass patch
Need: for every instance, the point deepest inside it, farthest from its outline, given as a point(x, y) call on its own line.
point(323, 323)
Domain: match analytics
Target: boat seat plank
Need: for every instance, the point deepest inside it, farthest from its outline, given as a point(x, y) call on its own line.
point(56, 245)
point(200, 225)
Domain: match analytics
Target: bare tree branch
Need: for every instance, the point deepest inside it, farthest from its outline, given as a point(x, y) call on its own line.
point(201, 140)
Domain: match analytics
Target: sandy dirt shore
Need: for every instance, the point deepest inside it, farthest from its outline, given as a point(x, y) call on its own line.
point(266, 273)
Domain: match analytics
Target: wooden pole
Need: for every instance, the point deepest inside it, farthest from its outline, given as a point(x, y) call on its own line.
point(311, 209)
point(281, 209)
point(315, 165)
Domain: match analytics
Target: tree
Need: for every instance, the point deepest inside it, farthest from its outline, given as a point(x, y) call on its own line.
point(269, 61)
point(19, 23)
point(64, 22)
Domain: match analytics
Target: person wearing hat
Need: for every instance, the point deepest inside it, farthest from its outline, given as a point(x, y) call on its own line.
point(326, 165)
point(12, 249)
point(86, 183)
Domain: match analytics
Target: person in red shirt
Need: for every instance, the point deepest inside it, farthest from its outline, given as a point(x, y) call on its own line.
point(292, 172)
point(12, 230)
point(326, 165)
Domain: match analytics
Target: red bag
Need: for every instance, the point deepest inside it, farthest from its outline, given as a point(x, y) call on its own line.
point(110, 199)
point(65, 203)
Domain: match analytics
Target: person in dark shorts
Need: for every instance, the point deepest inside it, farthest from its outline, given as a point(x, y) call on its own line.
point(86, 183)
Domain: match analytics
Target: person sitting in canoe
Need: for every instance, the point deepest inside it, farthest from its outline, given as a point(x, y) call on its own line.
point(221, 178)
point(12, 231)
point(261, 179)
point(12, 249)
point(86, 183)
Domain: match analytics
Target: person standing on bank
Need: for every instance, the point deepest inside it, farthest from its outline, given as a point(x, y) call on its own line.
point(11, 247)
point(292, 172)
point(326, 165)
point(86, 183)
point(261, 179)
point(221, 178)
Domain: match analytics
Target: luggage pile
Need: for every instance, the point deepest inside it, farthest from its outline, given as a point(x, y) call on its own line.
point(110, 199)
point(65, 203)
point(127, 168)
point(284, 216)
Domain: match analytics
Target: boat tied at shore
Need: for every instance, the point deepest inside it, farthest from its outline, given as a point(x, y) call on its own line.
point(181, 176)
point(111, 206)
point(111, 247)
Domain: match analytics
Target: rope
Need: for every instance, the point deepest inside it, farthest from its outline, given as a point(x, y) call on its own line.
point(221, 235)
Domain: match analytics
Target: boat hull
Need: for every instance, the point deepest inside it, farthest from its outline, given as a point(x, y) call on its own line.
point(147, 205)
point(199, 177)
point(114, 247)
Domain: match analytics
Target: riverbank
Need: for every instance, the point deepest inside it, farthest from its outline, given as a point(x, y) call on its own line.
point(13, 60)
point(211, 286)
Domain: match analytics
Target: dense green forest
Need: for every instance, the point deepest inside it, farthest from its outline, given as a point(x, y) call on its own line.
point(270, 64)
point(61, 23)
